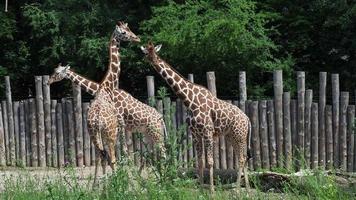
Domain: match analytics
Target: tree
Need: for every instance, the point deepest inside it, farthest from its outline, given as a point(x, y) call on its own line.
point(224, 36)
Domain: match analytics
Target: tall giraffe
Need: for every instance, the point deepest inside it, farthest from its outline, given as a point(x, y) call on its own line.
point(135, 115)
point(209, 116)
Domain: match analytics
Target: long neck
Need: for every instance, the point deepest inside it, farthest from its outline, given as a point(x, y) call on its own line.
point(88, 85)
point(178, 83)
point(111, 78)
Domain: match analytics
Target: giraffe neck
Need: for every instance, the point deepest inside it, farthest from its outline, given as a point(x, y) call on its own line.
point(88, 85)
point(178, 83)
point(111, 79)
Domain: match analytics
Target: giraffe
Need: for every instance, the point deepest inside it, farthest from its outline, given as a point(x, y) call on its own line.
point(208, 117)
point(135, 115)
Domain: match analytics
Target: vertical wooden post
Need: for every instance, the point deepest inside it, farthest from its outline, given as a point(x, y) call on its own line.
point(264, 134)
point(271, 134)
point(34, 136)
point(335, 86)
point(242, 89)
point(315, 133)
point(179, 115)
point(255, 135)
point(329, 137)
point(77, 101)
point(28, 132)
point(22, 134)
point(10, 118)
point(307, 126)
point(6, 132)
point(191, 150)
point(150, 87)
point(212, 87)
point(287, 130)
point(300, 116)
point(16, 113)
point(322, 103)
point(2, 141)
point(278, 95)
point(40, 122)
point(344, 102)
point(65, 130)
point(350, 138)
point(47, 119)
point(60, 134)
point(53, 147)
point(293, 119)
point(87, 137)
point(167, 113)
point(71, 136)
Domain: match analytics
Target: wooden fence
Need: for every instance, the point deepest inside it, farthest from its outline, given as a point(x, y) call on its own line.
point(286, 132)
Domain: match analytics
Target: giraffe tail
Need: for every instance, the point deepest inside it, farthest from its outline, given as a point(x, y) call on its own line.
point(249, 149)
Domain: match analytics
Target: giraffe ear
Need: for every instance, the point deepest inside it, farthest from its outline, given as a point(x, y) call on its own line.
point(158, 47)
point(144, 50)
point(67, 67)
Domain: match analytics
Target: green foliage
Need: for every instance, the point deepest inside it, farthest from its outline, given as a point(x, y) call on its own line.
point(225, 36)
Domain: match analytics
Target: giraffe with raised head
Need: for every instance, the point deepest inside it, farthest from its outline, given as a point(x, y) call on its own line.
point(209, 116)
point(120, 108)
point(136, 116)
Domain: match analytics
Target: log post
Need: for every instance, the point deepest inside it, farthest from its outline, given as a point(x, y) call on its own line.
point(53, 147)
point(300, 116)
point(6, 132)
point(271, 134)
point(329, 137)
point(22, 134)
point(255, 135)
point(86, 136)
point(71, 134)
point(212, 87)
point(278, 110)
point(335, 86)
point(40, 122)
point(33, 128)
point(314, 137)
point(350, 138)
point(150, 89)
point(47, 119)
point(2, 141)
point(344, 102)
point(287, 130)
point(264, 134)
point(293, 119)
point(77, 101)
point(16, 113)
point(307, 125)
point(242, 90)
point(191, 150)
point(322, 103)
point(11, 126)
point(28, 132)
point(60, 133)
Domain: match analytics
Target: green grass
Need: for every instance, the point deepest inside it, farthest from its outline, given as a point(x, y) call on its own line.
point(120, 185)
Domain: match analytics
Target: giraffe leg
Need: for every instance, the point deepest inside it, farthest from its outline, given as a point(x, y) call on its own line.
point(240, 145)
point(97, 160)
point(209, 144)
point(199, 147)
point(112, 158)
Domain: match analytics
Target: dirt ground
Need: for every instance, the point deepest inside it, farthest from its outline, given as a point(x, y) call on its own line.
point(84, 175)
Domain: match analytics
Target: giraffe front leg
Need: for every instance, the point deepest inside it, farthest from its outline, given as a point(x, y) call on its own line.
point(209, 144)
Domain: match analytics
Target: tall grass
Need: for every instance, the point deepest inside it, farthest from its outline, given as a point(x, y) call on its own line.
point(161, 180)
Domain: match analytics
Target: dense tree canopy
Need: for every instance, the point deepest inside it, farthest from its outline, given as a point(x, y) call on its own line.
point(197, 36)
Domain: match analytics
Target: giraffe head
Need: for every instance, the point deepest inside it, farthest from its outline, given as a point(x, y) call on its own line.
point(60, 72)
point(122, 32)
point(151, 51)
